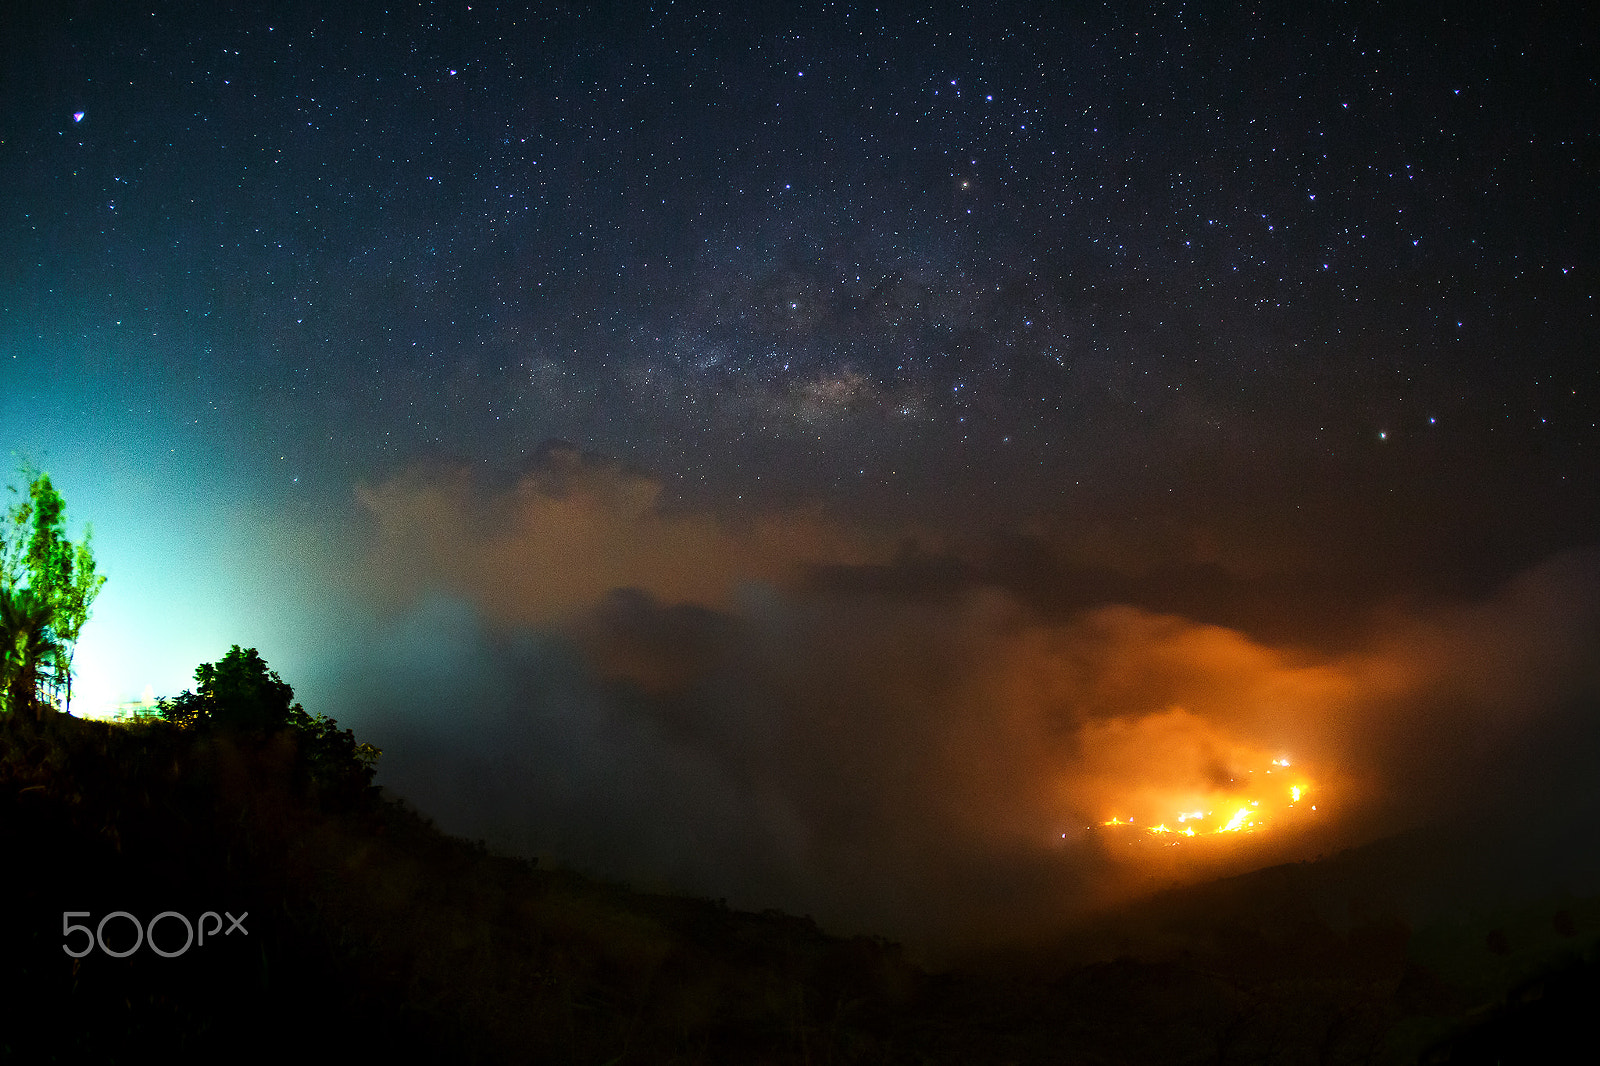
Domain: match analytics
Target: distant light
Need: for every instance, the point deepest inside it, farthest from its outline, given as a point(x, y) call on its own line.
point(77, 116)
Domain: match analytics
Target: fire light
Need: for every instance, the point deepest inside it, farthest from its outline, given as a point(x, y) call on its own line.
point(1243, 805)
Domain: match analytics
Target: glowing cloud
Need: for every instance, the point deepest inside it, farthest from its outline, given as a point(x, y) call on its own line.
point(572, 531)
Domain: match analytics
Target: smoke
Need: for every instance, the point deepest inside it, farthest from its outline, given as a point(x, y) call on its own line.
point(568, 671)
point(1451, 694)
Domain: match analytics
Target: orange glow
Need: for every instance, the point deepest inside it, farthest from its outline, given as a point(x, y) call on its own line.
point(1174, 777)
point(1229, 809)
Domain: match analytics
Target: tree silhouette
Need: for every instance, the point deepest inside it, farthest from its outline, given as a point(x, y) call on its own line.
point(239, 695)
point(235, 694)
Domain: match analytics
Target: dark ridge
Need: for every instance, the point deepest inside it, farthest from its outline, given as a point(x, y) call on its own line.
point(369, 932)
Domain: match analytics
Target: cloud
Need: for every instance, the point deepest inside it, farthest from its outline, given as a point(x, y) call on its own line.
point(1452, 689)
point(886, 766)
point(570, 670)
point(569, 532)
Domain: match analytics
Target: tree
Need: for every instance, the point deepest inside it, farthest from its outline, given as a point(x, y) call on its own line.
point(26, 644)
point(49, 583)
point(334, 761)
point(245, 695)
point(238, 694)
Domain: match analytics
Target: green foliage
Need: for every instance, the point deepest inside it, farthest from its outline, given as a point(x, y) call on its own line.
point(47, 584)
point(26, 645)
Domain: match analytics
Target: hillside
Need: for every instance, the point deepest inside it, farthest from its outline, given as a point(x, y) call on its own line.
point(367, 931)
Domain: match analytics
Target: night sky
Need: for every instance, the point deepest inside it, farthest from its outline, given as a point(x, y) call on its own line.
point(798, 455)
